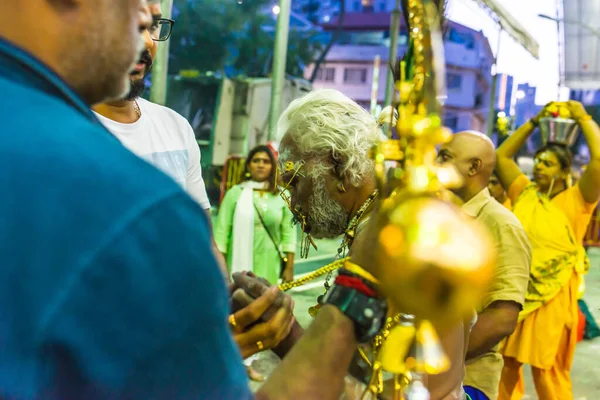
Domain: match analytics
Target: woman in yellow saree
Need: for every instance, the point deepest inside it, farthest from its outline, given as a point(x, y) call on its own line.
point(555, 216)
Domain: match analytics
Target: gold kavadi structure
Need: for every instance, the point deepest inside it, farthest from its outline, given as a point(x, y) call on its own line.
point(433, 263)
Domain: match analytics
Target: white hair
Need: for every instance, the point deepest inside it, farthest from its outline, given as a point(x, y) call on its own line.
point(327, 126)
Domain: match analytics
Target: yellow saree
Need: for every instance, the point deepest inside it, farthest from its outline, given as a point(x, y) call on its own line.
point(556, 252)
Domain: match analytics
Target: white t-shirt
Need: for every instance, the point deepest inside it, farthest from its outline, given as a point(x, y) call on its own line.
point(166, 140)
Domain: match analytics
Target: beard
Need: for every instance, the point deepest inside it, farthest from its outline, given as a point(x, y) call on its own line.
point(138, 86)
point(326, 217)
point(136, 89)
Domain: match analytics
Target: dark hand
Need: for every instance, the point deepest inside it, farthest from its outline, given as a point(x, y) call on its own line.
point(254, 287)
point(253, 338)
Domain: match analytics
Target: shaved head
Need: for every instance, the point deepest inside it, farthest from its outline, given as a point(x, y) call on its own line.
point(474, 157)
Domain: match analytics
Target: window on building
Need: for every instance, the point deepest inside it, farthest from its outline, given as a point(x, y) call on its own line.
point(451, 122)
point(464, 38)
point(326, 74)
point(453, 81)
point(355, 75)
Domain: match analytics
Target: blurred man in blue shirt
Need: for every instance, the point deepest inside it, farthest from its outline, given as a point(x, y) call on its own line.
point(108, 286)
point(107, 290)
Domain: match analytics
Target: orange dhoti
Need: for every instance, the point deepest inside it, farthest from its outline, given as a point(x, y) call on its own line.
point(546, 340)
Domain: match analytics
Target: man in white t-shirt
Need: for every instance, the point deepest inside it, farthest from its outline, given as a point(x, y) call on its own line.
point(156, 133)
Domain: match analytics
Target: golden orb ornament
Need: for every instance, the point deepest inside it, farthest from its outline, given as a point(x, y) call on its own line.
point(437, 261)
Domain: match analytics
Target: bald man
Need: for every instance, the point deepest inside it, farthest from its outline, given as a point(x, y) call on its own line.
point(473, 156)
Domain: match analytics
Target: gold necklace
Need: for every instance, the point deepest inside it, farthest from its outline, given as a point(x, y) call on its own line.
point(136, 107)
point(350, 232)
point(339, 259)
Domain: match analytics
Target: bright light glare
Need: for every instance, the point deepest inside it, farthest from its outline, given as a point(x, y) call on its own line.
point(501, 114)
point(276, 10)
point(520, 94)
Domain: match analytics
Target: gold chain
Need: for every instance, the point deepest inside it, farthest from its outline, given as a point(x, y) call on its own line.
point(137, 109)
point(337, 264)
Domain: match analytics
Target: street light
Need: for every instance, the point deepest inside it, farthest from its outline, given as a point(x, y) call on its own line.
point(276, 10)
point(520, 95)
point(590, 28)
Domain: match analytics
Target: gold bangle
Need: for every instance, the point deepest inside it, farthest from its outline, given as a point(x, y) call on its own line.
point(358, 270)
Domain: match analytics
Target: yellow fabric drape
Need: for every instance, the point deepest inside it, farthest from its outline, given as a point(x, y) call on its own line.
point(556, 252)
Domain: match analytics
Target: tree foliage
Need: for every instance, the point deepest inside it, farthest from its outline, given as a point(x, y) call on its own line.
point(234, 37)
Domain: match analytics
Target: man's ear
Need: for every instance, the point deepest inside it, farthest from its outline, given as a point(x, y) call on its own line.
point(475, 166)
point(338, 168)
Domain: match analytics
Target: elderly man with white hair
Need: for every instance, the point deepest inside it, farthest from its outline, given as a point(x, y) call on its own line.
point(473, 156)
point(324, 150)
point(327, 136)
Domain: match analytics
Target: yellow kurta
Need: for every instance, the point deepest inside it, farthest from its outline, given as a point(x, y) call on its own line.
point(546, 335)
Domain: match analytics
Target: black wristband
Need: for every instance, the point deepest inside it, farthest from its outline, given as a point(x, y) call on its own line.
point(367, 313)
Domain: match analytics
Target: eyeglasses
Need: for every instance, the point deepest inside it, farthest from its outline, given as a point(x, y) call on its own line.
point(161, 29)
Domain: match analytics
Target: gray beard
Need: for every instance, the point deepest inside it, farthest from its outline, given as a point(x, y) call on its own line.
point(326, 217)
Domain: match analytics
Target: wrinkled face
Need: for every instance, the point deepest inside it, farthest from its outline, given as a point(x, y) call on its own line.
point(260, 167)
point(101, 47)
point(144, 64)
point(546, 167)
point(495, 188)
point(311, 195)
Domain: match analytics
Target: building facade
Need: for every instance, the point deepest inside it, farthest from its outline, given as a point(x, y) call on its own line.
point(349, 66)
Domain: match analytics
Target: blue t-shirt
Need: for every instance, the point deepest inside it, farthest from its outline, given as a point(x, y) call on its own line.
point(108, 286)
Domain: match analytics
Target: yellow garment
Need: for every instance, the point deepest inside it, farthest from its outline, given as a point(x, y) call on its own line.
point(546, 335)
point(507, 203)
point(550, 384)
point(555, 249)
point(511, 275)
point(574, 208)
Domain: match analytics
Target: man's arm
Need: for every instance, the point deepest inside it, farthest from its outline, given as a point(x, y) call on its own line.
point(507, 292)
point(197, 189)
point(218, 254)
point(495, 323)
point(318, 363)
